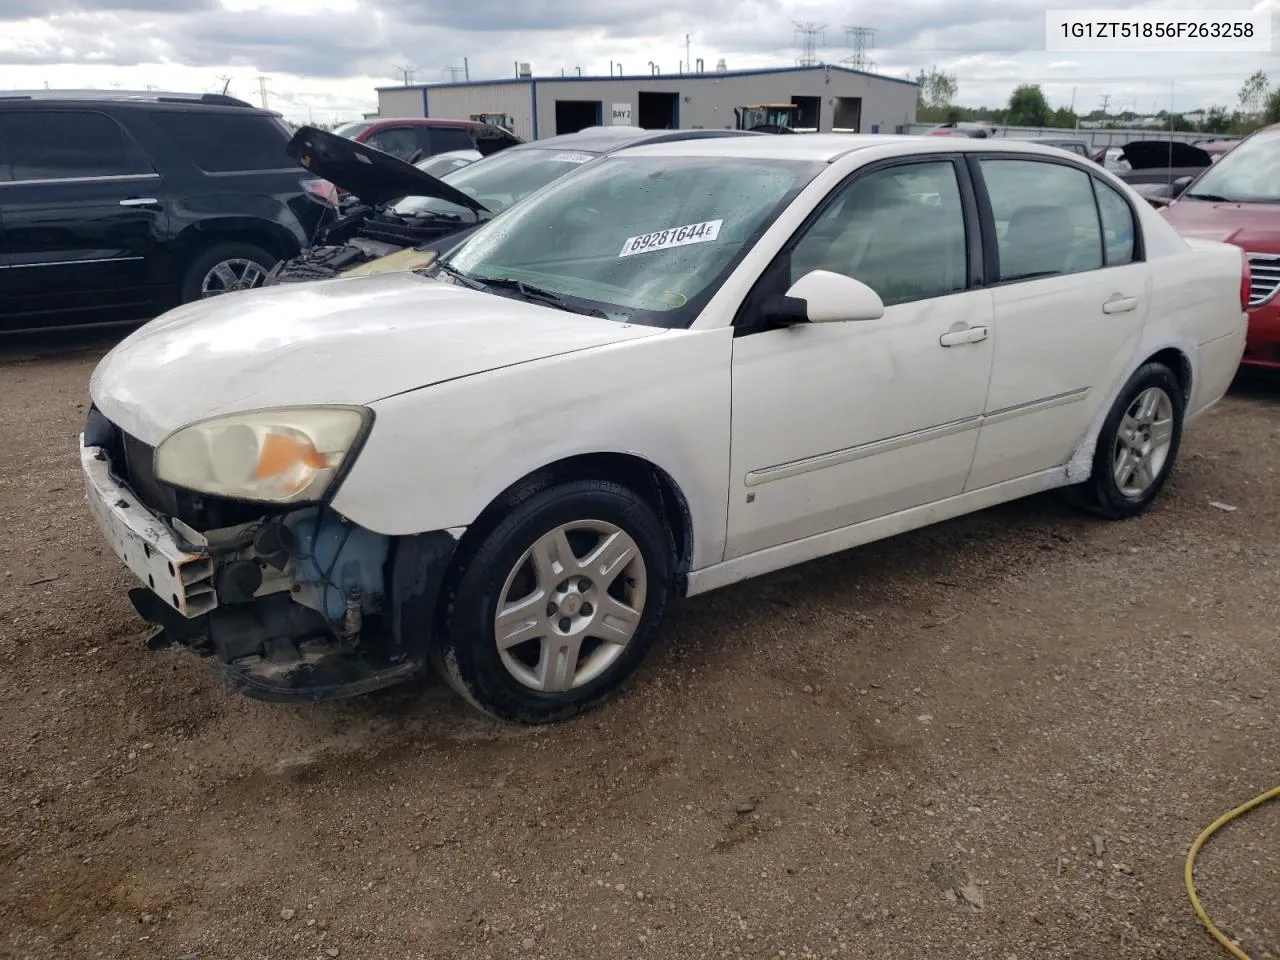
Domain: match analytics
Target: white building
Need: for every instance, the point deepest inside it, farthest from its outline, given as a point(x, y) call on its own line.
point(827, 98)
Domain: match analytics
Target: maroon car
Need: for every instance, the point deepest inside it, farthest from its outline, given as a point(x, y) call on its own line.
point(416, 138)
point(1237, 200)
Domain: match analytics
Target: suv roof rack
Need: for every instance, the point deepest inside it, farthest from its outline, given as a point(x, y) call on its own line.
point(212, 99)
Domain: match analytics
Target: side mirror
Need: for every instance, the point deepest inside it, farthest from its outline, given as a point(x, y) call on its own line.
point(1181, 184)
point(821, 296)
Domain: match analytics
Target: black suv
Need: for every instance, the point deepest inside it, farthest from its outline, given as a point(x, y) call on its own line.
point(117, 206)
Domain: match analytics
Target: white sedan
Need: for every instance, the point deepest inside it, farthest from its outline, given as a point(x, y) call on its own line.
point(684, 365)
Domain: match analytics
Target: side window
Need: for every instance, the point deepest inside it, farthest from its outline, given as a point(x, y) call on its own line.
point(899, 230)
point(450, 138)
point(400, 142)
point(1119, 231)
point(59, 145)
point(1046, 221)
point(223, 142)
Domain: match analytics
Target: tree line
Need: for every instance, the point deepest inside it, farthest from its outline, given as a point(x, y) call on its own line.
point(1258, 104)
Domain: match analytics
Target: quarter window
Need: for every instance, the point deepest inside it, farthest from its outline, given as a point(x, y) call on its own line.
point(899, 230)
point(1119, 231)
point(1046, 219)
point(444, 139)
point(68, 144)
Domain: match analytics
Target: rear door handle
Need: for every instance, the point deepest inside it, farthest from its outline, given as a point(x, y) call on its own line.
point(140, 202)
point(1120, 304)
point(966, 335)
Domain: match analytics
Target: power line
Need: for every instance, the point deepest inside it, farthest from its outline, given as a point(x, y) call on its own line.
point(809, 36)
point(861, 39)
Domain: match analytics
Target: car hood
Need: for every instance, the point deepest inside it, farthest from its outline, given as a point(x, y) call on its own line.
point(373, 176)
point(1162, 154)
point(345, 341)
point(1248, 225)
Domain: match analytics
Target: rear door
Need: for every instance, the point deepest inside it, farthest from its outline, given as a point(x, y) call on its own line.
point(1070, 296)
point(82, 219)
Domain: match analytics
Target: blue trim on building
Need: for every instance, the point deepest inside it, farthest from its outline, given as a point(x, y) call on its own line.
point(533, 95)
point(681, 77)
point(425, 111)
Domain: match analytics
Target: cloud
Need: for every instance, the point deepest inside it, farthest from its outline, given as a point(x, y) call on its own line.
point(329, 54)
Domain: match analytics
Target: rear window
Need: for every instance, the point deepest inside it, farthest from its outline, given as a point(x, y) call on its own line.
point(449, 138)
point(222, 142)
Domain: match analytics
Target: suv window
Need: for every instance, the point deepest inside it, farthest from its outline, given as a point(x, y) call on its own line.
point(400, 142)
point(68, 144)
point(1119, 231)
point(1046, 219)
point(449, 138)
point(899, 230)
point(223, 142)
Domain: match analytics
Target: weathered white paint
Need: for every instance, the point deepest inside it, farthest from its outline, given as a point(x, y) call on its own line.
point(842, 433)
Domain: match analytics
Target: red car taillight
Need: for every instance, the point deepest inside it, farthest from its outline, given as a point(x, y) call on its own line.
point(1246, 280)
point(321, 190)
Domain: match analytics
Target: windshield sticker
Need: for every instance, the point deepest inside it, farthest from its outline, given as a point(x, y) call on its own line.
point(572, 157)
point(703, 232)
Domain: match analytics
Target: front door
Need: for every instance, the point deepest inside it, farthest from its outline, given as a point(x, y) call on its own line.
point(82, 219)
point(838, 423)
point(1071, 297)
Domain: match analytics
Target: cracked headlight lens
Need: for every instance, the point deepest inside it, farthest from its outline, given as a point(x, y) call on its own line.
point(285, 455)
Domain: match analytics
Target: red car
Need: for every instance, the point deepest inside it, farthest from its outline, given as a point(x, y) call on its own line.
point(416, 138)
point(1237, 200)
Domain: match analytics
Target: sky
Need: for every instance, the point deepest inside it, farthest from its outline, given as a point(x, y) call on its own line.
point(324, 58)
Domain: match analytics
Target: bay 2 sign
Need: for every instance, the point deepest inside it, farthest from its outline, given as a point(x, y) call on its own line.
point(622, 114)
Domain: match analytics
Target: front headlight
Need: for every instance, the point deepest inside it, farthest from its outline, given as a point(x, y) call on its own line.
point(286, 455)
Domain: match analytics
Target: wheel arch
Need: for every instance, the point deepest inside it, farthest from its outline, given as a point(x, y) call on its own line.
point(1178, 362)
point(643, 477)
point(200, 237)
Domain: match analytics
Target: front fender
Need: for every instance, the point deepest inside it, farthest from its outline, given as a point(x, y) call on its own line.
point(438, 456)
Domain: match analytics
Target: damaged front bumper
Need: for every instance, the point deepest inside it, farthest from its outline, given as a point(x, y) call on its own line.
point(294, 605)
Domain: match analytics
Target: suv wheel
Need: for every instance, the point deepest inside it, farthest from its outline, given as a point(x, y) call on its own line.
point(224, 268)
point(559, 604)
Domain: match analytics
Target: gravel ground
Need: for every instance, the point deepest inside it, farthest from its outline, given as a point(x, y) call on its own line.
point(992, 739)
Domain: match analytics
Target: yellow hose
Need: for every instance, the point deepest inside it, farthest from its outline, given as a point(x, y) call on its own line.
point(1189, 871)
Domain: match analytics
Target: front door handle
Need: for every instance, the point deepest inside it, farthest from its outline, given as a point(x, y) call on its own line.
point(965, 335)
point(140, 202)
point(1119, 303)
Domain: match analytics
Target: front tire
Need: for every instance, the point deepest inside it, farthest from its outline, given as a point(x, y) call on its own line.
point(558, 604)
point(1137, 445)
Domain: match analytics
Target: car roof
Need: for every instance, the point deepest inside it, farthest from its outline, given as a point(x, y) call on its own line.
point(421, 122)
point(827, 147)
point(608, 139)
point(140, 97)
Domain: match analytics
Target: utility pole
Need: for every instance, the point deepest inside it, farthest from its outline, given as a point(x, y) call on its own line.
point(688, 64)
point(861, 39)
point(1106, 98)
point(262, 90)
point(466, 69)
point(407, 71)
point(453, 73)
point(226, 83)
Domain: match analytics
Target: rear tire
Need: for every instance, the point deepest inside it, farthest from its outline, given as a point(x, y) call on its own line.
point(1137, 445)
point(574, 580)
point(225, 267)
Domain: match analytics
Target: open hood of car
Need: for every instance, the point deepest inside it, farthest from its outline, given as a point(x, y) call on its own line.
point(343, 341)
point(1161, 154)
point(373, 176)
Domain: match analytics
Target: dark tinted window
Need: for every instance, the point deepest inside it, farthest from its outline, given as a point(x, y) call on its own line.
point(57, 144)
point(450, 138)
point(221, 142)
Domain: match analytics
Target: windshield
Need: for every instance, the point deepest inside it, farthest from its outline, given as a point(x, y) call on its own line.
point(639, 239)
point(443, 163)
point(499, 180)
point(1248, 174)
point(350, 130)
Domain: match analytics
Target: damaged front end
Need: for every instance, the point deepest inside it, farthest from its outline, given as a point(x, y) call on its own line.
point(292, 604)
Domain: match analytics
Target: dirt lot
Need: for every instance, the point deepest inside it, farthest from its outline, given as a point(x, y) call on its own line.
point(924, 739)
